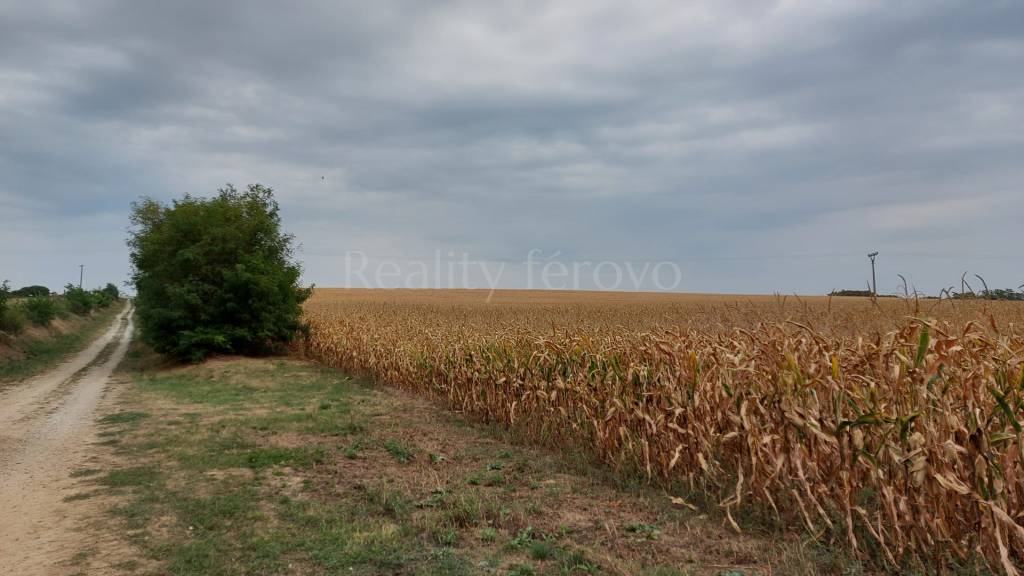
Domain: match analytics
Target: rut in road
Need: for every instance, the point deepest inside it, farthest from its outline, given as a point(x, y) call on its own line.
point(46, 424)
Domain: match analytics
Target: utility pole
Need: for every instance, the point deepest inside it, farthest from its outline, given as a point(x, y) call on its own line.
point(874, 287)
point(81, 274)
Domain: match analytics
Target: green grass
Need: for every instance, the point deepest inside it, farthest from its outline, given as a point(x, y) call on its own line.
point(400, 451)
point(44, 353)
point(542, 550)
point(237, 525)
point(196, 389)
point(137, 476)
point(216, 455)
point(123, 417)
point(262, 467)
point(521, 570)
point(232, 523)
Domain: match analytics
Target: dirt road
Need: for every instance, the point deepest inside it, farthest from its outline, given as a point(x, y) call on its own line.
point(46, 424)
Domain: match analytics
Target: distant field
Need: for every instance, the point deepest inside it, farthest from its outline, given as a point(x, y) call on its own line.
point(540, 310)
point(892, 425)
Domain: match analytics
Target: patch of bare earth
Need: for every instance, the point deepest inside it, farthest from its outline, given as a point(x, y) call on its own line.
point(620, 530)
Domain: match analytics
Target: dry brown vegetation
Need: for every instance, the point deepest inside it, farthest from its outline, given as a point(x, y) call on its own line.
point(894, 426)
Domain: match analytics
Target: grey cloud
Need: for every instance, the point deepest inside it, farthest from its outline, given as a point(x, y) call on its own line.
point(767, 146)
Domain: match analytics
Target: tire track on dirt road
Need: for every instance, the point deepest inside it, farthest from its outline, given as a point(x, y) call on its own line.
point(46, 424)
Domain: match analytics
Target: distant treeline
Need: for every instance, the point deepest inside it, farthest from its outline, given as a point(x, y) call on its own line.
point(37, 306)
point(997, 294)
point(29, 291)
point(864, 293)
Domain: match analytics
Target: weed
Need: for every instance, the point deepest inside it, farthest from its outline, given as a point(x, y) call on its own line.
point(522, 538)
point(123, 417)
point(576, 562)
point(390, 502)
point(352, 450)
point(542, 550)
point(137, 476)
point(521, 570)
point(644, 531)
point(399, 451)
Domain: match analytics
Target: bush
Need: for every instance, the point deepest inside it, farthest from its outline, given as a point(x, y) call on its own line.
point(111, 291)
point(12, 319)
point(41, 310)
point(101, 298)
point(215, 275)
point(79, 301)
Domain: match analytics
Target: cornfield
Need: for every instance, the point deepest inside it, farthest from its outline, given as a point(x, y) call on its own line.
point(894, 426)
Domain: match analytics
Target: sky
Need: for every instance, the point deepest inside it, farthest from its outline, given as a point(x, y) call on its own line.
point(742, 147)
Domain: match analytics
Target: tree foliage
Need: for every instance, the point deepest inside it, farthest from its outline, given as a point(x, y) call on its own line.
point(8, 321)
point(30, 291)
point(41, 310)
point(79, 300)
point(215, 275)
point(111, 291)
point(996, 294)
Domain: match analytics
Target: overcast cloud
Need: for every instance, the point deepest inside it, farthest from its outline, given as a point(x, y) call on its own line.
point(761, 146)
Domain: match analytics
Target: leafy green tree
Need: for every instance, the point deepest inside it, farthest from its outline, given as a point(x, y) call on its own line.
point(111, 291)
point(30, 291)
point(215, 275)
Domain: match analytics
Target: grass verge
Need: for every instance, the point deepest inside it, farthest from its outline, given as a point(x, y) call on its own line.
point(286, 467)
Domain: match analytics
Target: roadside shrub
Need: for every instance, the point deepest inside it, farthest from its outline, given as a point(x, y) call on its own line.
point(11, 318)
point(40, 310)
point(215, 275)
point(101, 299)
point(79, 301)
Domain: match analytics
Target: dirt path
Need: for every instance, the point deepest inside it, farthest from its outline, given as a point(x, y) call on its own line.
point(45, 425)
